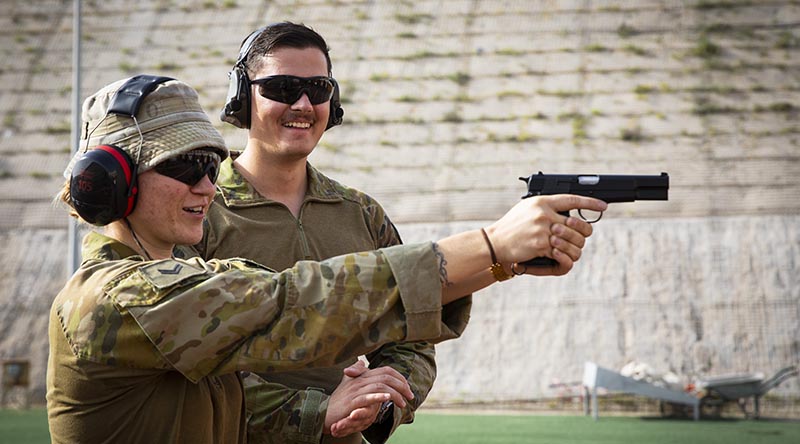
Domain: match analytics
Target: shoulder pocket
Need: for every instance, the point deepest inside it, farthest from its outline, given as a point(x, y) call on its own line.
point(152, 282)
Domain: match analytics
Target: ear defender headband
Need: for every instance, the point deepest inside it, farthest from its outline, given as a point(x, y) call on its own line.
point(237, 106)
point(103, 180)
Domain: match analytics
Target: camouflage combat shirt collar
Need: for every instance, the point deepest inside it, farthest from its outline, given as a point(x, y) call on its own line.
point(236, 191)
point(99, 247)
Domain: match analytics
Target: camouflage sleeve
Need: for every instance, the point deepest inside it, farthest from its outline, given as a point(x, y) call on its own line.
point(414, 360)
point(384, 233)
point(222, 316)
point(280, 415)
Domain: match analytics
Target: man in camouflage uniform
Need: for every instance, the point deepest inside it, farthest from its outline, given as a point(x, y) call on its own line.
point(275, 208)
point(269, 195)
point(145, 347)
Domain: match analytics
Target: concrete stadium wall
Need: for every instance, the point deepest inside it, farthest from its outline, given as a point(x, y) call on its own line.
point(695, 296)
point(447, 102)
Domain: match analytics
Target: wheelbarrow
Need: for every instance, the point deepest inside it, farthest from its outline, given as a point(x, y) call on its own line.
point(718, 391)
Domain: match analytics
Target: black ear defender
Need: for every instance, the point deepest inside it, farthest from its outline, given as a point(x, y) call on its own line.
point(237, 105)
point(236, 110)
point(102, 183)
point(337, 113)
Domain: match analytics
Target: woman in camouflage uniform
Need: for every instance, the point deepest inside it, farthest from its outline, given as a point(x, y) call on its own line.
point(147, 347)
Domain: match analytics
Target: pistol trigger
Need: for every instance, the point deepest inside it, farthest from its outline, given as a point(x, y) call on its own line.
point(590, 221)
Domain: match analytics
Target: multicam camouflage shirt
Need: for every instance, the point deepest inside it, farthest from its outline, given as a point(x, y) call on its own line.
point(334, 219)
point(150, 351)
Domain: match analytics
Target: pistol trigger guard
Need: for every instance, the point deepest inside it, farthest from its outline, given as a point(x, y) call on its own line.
point(590, 221)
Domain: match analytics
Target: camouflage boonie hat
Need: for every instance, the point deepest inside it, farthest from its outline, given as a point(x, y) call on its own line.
point(171, 120)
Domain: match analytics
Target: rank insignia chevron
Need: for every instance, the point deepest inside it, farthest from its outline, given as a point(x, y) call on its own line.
point(174, 270)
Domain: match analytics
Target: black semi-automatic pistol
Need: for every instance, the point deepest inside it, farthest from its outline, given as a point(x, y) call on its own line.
point(608, 188)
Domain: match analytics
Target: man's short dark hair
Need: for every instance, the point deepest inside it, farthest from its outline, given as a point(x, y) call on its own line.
point(284, 35)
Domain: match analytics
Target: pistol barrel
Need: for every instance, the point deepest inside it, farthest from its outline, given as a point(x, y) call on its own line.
point(609, 188)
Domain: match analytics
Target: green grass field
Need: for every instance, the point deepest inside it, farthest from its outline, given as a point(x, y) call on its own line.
point(508, 429)
point(30, 427)
point(24, 426)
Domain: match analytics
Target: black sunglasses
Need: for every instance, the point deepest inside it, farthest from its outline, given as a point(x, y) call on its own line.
point(190, 167)
point(289, 89)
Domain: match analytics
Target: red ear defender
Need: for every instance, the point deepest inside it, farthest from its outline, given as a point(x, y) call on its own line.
point(103, 185)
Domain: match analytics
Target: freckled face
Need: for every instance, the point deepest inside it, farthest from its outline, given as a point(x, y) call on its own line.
point(289, 130)
point(169, 212)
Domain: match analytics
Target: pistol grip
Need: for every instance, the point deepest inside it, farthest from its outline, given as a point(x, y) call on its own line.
point(541, 262)
point(544, 261)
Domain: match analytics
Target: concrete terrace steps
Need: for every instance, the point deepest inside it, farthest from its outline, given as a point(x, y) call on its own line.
point(441, 92)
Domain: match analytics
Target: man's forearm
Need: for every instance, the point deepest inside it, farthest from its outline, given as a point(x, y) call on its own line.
point(278, 414)
point(416, 362)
